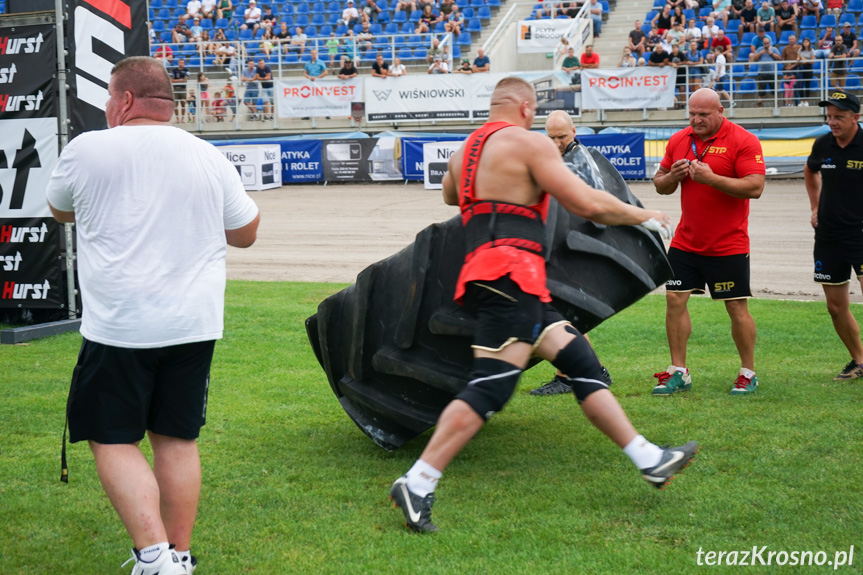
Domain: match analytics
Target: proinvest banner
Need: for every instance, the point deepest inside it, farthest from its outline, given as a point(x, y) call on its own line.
point(624, 151)
point(628, 88)
point(536, 36)
point(323, 97)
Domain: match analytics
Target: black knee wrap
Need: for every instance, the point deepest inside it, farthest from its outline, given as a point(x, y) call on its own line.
point(492, 384)
point(581, 366)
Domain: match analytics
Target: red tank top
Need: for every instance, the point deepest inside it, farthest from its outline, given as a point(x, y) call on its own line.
point(497, 259)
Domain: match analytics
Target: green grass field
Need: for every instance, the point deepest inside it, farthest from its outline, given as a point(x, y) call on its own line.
point(292, 486)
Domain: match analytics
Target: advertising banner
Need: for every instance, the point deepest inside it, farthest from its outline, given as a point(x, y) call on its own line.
point(536, 36)
point(30, 272)
point(628, 88)
point(301, 162)
point(323, 97)
point(347, 160)
point(431, 97)
point(624, 151)
point(435, 159)
point(259, 166)
point(413, 161)
point(481, 87)
point(554, 91)
point(101, 33)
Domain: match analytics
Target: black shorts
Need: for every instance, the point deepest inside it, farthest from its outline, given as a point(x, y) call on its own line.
point(834, 260)
point(118, 393)
point(505, 314)
point(727, 277)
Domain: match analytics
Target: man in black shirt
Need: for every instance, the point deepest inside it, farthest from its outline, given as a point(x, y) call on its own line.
point(659, 57)
point(786, 17)
point(637, 39)
point(348, 70)
point(849, 38)
point(834, 179)
point(748, 17)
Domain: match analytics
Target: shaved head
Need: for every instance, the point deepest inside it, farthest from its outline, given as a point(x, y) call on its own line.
point(514, 101)
point(705, 113)
point(559, 128)
point(139, 90)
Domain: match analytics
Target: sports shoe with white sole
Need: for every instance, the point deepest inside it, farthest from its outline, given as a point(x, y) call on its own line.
point(417, 509)
point(558, 384)
point(851, 371)
point(671, 381)
point(744, 385)
point(189, 561)
point(167, 564)
point(674, 459)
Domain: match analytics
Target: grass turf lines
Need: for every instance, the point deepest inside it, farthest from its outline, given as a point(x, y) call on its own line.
point(292, 486)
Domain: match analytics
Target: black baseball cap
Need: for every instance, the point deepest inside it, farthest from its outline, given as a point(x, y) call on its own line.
point(842, 100)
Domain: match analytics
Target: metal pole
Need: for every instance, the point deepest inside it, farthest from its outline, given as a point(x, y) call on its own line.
point(63, 132)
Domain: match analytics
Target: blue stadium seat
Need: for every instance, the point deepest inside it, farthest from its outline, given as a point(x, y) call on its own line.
point(852, 82)
point(658, 4)
point(474, 25)
point(311, 31)
point(319, 8)
point(319, 19)
point(405, 54)
point(179, 12)
point(206, 24)
point(783, 39)
point(158, 27)
point(400, 17)
point(420, 53)
point(222, 23)
point(808, 34)
point(854, 6)
point(689, 14)
point(733, 38)
point(440, 27)
point(325, 30)
point(743, 53)
point(291, 58)
point(747, 38)
point(303, 8)
point(483, 13)
point(857, 66)
point(231, 34)
point(333, 19)
point(827, 21)
point(733, 26)
point(246, 35)
point(166, 37)
point(171, 4)
point(341, 30)
point(156, 4)
point(649, 17)
point(808, 22)
point(414, 17)
point(747, 86)
point(703, 13)
point(847, 17)
point(302, 20)
point(408, 28)
point(392, 28)
point(464, 39)
point(164, 14)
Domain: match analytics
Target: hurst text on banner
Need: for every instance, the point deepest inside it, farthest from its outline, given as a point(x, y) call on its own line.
point(628, 88)
point(304, 99)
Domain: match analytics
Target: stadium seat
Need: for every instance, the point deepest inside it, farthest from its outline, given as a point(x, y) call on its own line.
point(852, 82)
point(311, 31)
point(440, 28)
point(333, 19)
point(474, 25)
point(179, 12)
point(319, 19)
point(164, 14)
point(827, 21)
point(392, 28)
point(400, 17)
point(689, 14)
point(245, 35)
point(325, 30)
point(259, 33)
point(772, 36)
point(483, 13)
point(808, 22)
point(302, 20)
point(808, 34)
point(733, 38)
point(733, 27)
point(303, 8)
point(468, 13)
point(783, 39)
point(704, 12)
point(857, 66)
point(747, 86)
point(408, 28)
point(231, 34)
point(747, 38)
point(420, 53)
point(158, 26)
point(405, 54)
point(846, 17)
point(743, 53)
point(464, 39)
point(222, 23)
point(414, 17)
point(341, 30)
point(649, 17)
point(156, 4)
point(318, 8)
point(170, 4)
point(658, 4)
point(854, 6)
point(166, 37)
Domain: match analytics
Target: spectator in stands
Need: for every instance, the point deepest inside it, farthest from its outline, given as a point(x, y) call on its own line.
point(677, 15)
point(407, 5)
point(231, 97)
point(314, 68)
point(709, 32)
point(692, 32)
point(348, 70)
point(789, 80)
point(398, 69)
point(298, 41)
point(748, 16)
point(654, 38)
point(637, 40)
point(677, 59)
point(835, 7)
point(269, 20)
point(446, 8)
point(696, 66)
point(758, 40)
point(163, 53)
point(191, 103)
point(674, 3)
point(438, 66)
point(435, 50)
point(204, 91)
point(572, 66)
point(219, 107)
point(548, 9)
point(283, 37)
point(249, 77)
point(589, 59)
point(627, 60)
point(676, 34)
point(206, 46)
point(595, 11)
point(766, 57)
point(365, 38)
point(350, 15)
point(193, 10)
point(812, 7)
point(225, 9)
point(454, 22)
point(766, 16)
point(562, 47)
point(806, 57)
point(717, 76)
point(332, 45)
point(196, 30)
point(572, 9)
point(663, 19)
point(181, 32)
point(380, 69)
point(721, 11)
point(481, 63)
point(264, 75)
point(208, 9)
point(825, 44)
point(252, 17)
point(268, 41)
point(464, 68)
point(179, 78)
point(725, 43)
point(786, 18)
point(839, 54)
point(659, 58)
point(790, 54)
point(427, 20)
point(849, 38)
point(371, 10)
point(219, 36)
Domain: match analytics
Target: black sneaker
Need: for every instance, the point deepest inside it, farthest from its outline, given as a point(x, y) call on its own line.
point(556, 386)
point(851, 371)
point(674, 459)
point(417, 509)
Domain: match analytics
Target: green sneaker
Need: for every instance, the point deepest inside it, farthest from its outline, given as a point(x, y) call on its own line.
point(671, 381)
point(744, 385)
point(851, 371)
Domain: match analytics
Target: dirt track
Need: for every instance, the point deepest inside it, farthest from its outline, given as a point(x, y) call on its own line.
point(330, 233)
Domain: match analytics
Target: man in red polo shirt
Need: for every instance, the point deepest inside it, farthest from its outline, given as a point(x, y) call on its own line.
point(719, 167)
point(589, 59)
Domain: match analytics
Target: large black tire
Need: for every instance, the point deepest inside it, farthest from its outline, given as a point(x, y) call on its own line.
point(396, 348)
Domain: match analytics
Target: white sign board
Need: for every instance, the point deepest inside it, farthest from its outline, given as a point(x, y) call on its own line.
point(260, 167)
point(435, 158)
point(323, 97)
point(536, 36)
point(22, 190)
point(628, 88)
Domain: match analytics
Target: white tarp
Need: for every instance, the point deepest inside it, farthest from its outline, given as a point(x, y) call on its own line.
point(323, 97)
point(628, 88)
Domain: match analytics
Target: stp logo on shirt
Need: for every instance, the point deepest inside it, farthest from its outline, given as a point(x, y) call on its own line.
point(759, 159)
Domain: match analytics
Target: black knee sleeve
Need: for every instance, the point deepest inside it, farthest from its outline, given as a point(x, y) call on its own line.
point(581, 366)
point(492, 384)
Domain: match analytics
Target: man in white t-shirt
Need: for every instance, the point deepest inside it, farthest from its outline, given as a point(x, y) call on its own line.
point(350, 15)
point(709, 31)
point(193, 10)
point(252, 17)
point(151, 264)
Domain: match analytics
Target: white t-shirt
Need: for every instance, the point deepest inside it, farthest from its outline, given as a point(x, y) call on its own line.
point(151, 204)
point(208, 5)
point(253, 15)
point(398, 70)
point(709, 31)
point(193, 7)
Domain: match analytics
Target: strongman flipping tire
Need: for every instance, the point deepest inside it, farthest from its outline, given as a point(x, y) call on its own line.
point(504, 174)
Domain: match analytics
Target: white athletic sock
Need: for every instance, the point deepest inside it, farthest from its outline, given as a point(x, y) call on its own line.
point(747, 373)
point(677, 368)
point(152, 553)
point(643, 453)
point(422, 478)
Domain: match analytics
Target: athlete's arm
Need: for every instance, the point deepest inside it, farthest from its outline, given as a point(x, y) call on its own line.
point(666, 181)
point(813, 188)
point(552, 176)
point(61, 216)
point(245, 236)
point(747, 187)
point(451, 177)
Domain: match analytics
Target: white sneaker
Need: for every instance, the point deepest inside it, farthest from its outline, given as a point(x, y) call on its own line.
point(189, 561)
point(167, 564)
